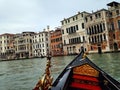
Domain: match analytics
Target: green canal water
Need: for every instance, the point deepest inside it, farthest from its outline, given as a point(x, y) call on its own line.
point(24, 74)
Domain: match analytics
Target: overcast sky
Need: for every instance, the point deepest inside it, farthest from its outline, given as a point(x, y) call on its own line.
point(17, 16)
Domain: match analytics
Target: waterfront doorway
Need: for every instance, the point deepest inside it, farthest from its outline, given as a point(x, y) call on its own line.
point(99, 49)
point(115, 47)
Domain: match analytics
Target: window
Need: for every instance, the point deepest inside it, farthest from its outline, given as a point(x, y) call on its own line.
point(73, 18)
point(103, 26)
point(99, 14)
point(87, 31)
point(43, 45)
point(69, 41)
point(117, 12)
point(101, 38)
point(64, 42)
point(86, 19)
point(92, 31)
point(65, 21)
point(82, 25)
point(76, 27)
point(62, 23)
point(68, 20)
point(7, 41)
point(42, 39)
point(79, 39)
point(112, 26)
point(83, 38)
point(110, 14)
point(114, 36)
point(67, 30)
point(119, 24)
point(91, 18)
point(96, 16)
point(104, 36)
point(47, 44)
point(95, 39)
point(62, 31)
point(39, 40)
point(81, 15)
point(76, 17)
point(71, 29)
point(95, 29)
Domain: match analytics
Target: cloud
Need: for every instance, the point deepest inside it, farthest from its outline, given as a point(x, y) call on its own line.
point(17, 15)
point(34, 15)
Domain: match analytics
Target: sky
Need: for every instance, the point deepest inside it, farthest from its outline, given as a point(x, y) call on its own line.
point(17, 16)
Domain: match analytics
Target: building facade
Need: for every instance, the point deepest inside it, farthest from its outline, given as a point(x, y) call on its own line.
point(114, 25)
point(23, 45)
point(97, 31)
point(74, 34)
point(6, 46)
point(56, 42)
point(41, 44)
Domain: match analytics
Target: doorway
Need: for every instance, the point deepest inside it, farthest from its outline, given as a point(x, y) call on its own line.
point(99, 49)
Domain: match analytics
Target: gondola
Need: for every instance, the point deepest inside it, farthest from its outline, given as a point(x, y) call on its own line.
point(83, 74)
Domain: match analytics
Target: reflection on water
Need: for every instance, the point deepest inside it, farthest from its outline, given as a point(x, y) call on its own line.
point(59, 63)
point(24, 74)
point(109, 62)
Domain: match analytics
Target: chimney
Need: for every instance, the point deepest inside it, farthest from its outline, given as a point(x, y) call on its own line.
point(44, 29)
point(48, 27)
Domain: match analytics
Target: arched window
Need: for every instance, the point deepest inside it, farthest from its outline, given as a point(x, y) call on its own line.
point(101, 38)
point(95, 30)
point(101, 28)
point(98, 29)
point(90, 31)
point(98, 38)
point(95, 39)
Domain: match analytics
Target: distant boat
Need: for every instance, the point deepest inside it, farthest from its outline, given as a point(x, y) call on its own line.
point(82, 74)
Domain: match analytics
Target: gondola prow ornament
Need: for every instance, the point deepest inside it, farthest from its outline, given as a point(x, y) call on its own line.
point(46, 81)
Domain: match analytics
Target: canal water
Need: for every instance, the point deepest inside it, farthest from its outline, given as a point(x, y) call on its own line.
point(24, 74)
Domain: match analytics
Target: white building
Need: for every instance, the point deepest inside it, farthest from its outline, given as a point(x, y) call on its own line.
point(73, 34)
point(41, 44)
point(23, 45)
point(6, 46)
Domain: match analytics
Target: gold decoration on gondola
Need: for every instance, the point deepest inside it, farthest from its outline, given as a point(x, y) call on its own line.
point(84, 56)
point(86, 70)
point(46, 81)
point(105, 82)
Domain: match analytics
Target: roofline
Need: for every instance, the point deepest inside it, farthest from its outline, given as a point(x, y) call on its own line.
point(7, 34)
point(75, 15)
point(109, 4)
point(97, 11)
